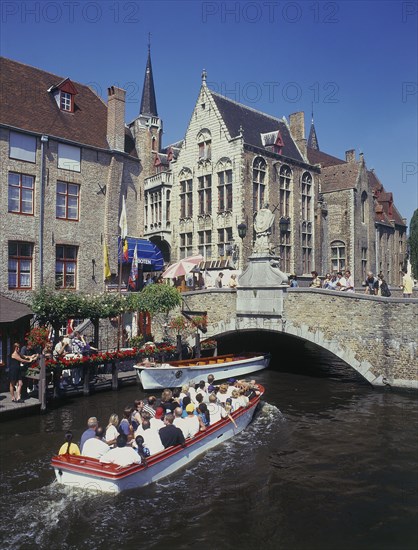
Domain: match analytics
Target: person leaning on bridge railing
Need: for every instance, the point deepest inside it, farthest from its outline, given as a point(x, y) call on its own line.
point(371, 284)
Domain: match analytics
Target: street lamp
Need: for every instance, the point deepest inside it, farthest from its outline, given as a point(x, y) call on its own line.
point(242, 230)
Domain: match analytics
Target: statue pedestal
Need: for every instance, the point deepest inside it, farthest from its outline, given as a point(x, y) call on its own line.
point(260, 286)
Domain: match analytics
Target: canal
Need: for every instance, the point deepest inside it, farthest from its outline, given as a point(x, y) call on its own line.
point(328, 463)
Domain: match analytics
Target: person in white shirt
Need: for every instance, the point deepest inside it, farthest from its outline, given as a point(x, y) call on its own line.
point(191, 422)
point(122, 455)
point(95, 447)
point(112, 430)
point(216, 411)
point(192, 391)
point(152, 438)
point(156, 421)
point(179, 421)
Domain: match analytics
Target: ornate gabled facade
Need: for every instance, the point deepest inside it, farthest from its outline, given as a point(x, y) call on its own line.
point(330, 214)
point(233, 161)
point(67, 160)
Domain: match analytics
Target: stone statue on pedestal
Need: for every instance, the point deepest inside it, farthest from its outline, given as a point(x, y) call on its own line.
point(263, 223)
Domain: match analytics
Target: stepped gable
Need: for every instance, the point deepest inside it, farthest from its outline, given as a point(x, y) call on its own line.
point(27, 105)
point(385, 209)
point(254, 123)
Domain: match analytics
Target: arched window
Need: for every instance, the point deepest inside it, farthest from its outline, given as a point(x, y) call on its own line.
point(204, 142)
point(306, 197)
point(259, 186)
point(285, 178)
point(338, 256)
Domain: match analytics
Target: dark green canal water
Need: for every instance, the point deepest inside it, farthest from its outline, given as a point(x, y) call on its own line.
point(328, 463)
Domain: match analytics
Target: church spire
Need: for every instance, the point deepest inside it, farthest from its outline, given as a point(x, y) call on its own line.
point(312, 139)
point(148, 101)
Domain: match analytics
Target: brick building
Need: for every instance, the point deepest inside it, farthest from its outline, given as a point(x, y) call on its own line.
point(67, 160)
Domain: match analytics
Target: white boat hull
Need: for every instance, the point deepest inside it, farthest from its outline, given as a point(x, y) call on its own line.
point(152, 378)
point(87, 473)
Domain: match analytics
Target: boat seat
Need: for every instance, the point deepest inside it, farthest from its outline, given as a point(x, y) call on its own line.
point(228, 359)
point(212, 362)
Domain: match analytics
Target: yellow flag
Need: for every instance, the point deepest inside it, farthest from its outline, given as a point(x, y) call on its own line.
point(107, 272)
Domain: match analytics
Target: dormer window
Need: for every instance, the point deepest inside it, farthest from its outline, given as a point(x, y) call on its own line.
point(66, 102)
point(64, 94)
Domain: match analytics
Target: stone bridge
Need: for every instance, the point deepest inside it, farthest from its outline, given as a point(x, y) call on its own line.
point(376, 336)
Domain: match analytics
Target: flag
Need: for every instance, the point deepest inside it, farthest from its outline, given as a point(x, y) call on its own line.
point(125, 251)
point(123, 222)
point(134, 271)
point(107, 272)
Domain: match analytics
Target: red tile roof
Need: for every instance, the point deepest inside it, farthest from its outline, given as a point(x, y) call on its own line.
point(26, 104)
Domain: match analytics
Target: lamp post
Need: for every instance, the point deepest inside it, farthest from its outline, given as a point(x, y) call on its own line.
point(242, 231)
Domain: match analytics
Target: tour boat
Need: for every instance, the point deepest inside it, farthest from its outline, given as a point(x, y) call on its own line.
point(90, 473)
point(176, 373)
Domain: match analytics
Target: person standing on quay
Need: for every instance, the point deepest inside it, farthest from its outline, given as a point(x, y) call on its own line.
point(17, 372)
point(407, 285)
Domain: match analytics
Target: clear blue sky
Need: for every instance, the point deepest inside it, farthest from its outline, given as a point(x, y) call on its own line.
point(356, 61)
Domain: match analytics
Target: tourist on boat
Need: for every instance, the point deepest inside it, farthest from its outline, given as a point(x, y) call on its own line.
point(92, 424)
point(69, 448)
point(235, 400)
point(179, 420)
point(167, 401)
point(201, 390)
point(216, 411)
point(136, 413)
point(231, 386)
point(123, 455)
point(192, 391)
point(151, 437)
point(184, 393)
point(149, 406)
point(112, 430)
point(17, 371)
point(141, 449)
point(156, 421)
point(171, 435)
point(125, 426)
point(210, 382)
point(222, 394)
point(186, 401)
point(191, 421)
point(203, 416)
point(96, 447)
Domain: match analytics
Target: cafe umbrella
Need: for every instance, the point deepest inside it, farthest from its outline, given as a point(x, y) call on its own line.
point(182, 267)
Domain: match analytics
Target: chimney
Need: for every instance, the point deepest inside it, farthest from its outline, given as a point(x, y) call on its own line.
point(297, 130)
point(116, 118)
point(350, 156)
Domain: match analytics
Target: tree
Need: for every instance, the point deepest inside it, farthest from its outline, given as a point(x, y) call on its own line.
point(56, 307)
point(413, 243)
